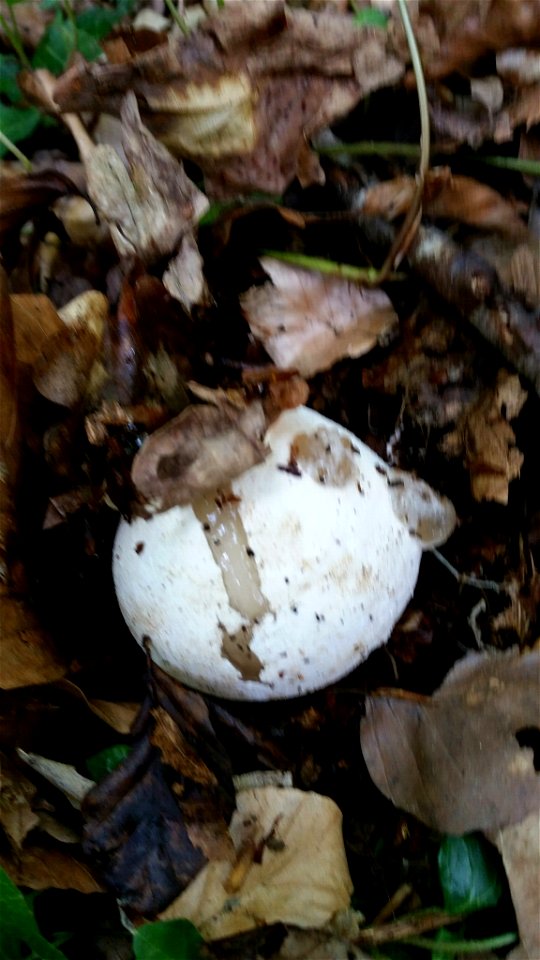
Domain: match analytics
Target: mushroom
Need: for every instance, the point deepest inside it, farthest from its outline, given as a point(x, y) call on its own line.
point(287, 579)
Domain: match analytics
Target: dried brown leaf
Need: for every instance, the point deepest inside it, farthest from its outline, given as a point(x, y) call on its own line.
point(486, 440)
point(469, 201)
point(150, 205)
point(184, 277)
point(40, 868)
point(308, 321)
point(203, 448)
point(36, 321)
point(519, 846)
point(16, 794)
point(63, 368)
point(252, 69)
point(453, 759)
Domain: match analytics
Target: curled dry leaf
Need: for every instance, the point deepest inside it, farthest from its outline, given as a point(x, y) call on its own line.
point(308, 321)
point(447, 197)
point(149, 206)
point(252, 68)
point(63, 369)
point(280, 872)
point(486, 440)
point(205, 447)
point(519, 846)
point(455, 759)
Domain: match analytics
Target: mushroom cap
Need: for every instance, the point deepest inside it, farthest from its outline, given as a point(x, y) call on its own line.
point(289, 579)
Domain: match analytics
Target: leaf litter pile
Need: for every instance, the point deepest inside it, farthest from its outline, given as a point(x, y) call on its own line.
point(211, 217)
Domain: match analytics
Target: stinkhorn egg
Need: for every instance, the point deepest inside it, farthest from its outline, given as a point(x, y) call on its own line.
point(288, 578)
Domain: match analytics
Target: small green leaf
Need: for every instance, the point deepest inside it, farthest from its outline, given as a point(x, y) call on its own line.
point(19, 933)
point(370, 17)
point(88, 45)
point(97, 22)
point(9, 71)
point(56, 46)
point(469, 873)
point(107, 760)
point(17, 124)
point(167, 940)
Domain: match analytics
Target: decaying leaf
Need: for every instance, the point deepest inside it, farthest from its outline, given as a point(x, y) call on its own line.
point(203, 448)
point(184, 277)
point(63, 776)
point(149, 206)
point(62, 371)
point(150, 822)
point(243, 92)
point(35, 321)
point(456, 760)
point(519, 846)
point(308, 321)
point(290, 867)
point(16, 794)
point(42, 867)
point(24, 195)
point(487, 442)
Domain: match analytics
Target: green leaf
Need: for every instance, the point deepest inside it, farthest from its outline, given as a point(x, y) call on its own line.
point(107, 760)
point(17, 124)
point(9, 71)
point(88, 45)
point(56, 46)
point(19, 932)
point(167, 940)
point(470, 874)
point(370, 17)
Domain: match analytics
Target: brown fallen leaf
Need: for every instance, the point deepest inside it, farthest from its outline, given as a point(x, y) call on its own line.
point(519, 846)
point(252, 68)
point(22, 196)
point(41, 867)
point(184, 277)
point(448, 197)
point(290, 867)
point(35, 321)
point(308, 321)
point(454, 760)
point(150, 204)
point(479, 29)
point(484, 437)
point(17, 816)
point(28, 656)
point(119, 715)
point(205, 447)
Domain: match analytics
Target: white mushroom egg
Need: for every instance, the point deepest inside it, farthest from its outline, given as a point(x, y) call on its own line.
point(287, 580)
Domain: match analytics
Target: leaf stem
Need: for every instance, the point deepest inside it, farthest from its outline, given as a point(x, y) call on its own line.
point(179, 21)
point(462, 946)
point(13, 34)
point(347, 271)
point(13, 148)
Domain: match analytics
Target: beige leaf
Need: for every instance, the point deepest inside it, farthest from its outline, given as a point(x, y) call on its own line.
point(454, 760)
point(42, 867)
point(184, 277)
point(308, 321)
point(153, 204)
point(62, 775)
point(301, 878)
point(519, 846)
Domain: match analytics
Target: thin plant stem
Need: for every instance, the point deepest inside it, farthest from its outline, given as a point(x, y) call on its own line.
point(13, 148)
point(523, 165)
point(387, 148)
point(465, 578)
point(347, 271)
point(179, 21)
point(14, 37)
point(463, 946)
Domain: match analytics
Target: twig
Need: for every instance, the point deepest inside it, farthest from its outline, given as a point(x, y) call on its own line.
point(405, 928)
point(409, 227)
point(394, 903)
